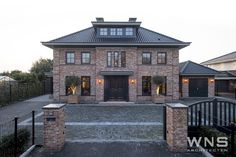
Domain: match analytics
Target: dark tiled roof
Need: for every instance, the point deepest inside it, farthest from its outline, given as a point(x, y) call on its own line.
point(225, 74)
point(191, 68)
point(225, 58)
point(88, 37)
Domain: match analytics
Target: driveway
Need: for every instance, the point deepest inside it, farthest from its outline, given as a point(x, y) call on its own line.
point(113, 149)
point(19, 109)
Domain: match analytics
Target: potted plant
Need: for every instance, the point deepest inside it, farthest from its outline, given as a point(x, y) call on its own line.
point(158, 81)
point(72, 83)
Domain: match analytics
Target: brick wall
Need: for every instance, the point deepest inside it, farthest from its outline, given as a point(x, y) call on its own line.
point(54, 128)
point(176, 125)
point(133, 63)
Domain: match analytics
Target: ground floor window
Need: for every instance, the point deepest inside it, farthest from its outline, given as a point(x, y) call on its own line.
point(85, 85)
point(163, 86)
point(146, 86)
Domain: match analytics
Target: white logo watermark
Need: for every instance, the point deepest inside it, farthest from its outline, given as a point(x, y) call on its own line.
point(213, 144)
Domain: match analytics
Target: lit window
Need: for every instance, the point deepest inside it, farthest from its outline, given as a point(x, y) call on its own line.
point(163, 86)
point(146, 86)
point(103, 31)
point(129, 31)
point(85, 85)
point(146, 58)
point(70, 57)
point(119, 31)
point(113, 31)
point(161, 57)
point(85, 58)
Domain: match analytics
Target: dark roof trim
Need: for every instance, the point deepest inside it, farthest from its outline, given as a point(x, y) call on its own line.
point(196, 74)
point(225, 78)
point(95, 23)
point(108, 73)
point(117, 44)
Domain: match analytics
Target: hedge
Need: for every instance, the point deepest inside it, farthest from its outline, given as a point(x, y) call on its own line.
point(7, 143)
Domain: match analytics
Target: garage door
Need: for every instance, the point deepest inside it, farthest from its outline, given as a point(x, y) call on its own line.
point(198, 87)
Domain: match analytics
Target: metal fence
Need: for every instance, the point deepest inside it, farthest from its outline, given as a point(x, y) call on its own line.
point(12, 91)
point(218, 114)
point(19, 134)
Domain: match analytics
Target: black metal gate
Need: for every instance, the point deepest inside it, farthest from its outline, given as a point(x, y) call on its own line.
point(218, 114)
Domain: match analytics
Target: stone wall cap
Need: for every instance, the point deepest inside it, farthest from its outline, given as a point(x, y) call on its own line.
point(176, 105)
point(53, 106)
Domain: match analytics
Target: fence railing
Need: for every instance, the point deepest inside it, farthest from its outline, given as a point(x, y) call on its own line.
point(18, 135)
point(209, 113)
point(218, 114)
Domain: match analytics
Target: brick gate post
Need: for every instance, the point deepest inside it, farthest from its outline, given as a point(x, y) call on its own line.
point(176, 127)
point(54, 126)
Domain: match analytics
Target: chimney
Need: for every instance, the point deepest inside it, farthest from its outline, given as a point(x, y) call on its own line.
point(132, 19)
point(100, 19)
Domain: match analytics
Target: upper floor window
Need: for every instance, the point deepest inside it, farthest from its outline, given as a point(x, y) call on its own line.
point(113, 31)
point(119, 31)
point(116, 59)
point(146, 58)
point(161, 57)
point(70, 57)
point(85, 85)
point(103, 31)
point(129, 31)
point(85, 58)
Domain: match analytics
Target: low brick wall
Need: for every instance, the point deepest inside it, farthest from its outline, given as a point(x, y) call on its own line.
point(176, 127)
point(54, 127)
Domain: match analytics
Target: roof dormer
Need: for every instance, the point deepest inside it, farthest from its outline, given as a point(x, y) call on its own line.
point(116, 29)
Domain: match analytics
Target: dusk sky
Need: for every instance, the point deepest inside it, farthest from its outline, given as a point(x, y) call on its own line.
point(209, 24)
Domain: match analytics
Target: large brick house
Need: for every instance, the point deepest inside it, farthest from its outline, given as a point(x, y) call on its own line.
point(116, 62)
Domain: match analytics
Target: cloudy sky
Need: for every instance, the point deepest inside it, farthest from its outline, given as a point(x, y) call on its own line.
point(209, 24)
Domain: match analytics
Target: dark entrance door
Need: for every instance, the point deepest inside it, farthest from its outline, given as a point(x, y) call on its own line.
point(116, 88)
point(198, 87)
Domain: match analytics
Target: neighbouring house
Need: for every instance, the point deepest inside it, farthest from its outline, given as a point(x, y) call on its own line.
point(7, 79)
point(116, 62)
point(226, 79)
point(196, 80)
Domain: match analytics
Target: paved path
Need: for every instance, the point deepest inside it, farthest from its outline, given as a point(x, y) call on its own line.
point(7, 113)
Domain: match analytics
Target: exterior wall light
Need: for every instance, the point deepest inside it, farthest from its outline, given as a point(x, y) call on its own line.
point(132, 81)
point(99, 81)
point(185, 80)
point(212, 80)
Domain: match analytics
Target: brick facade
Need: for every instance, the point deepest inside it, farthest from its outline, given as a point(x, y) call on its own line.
point(99, 63)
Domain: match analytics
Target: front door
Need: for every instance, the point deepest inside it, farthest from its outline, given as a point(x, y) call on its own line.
point(116, 88)
point(198, 87)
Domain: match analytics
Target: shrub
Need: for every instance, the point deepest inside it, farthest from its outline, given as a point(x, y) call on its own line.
point(210, 132)
point(72, 82)
point(7, 143)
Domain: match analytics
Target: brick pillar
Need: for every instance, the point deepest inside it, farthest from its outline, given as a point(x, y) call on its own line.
point(176, 127)
point(54, 127)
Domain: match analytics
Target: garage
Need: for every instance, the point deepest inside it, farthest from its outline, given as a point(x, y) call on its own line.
point(196, 80)
point(198, 87)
